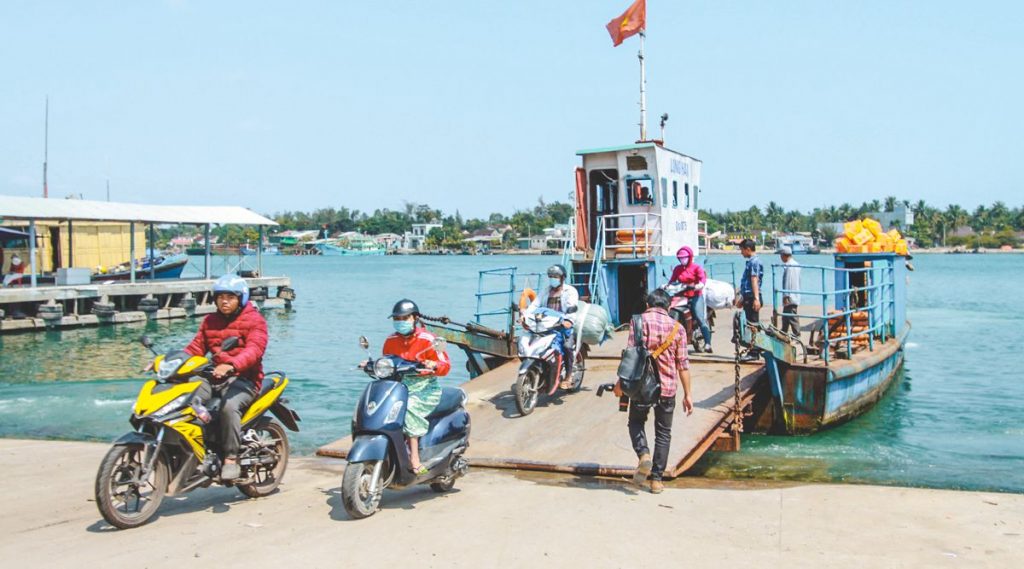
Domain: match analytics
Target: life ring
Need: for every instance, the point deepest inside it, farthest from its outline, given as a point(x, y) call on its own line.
point(526, 298)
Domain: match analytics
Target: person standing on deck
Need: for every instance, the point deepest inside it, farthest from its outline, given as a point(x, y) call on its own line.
point(790, 300)
point(749, 298)
point(15, 272)
point(673, 369)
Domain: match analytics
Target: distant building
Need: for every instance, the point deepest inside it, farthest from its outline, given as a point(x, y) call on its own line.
point(417, 238)
point(901, 217)
point(536, 242)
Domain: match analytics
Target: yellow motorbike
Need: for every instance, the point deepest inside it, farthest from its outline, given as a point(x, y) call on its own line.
point(173, 450)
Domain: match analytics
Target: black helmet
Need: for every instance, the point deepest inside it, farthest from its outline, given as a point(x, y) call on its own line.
point(556, 271)
point(405, 307)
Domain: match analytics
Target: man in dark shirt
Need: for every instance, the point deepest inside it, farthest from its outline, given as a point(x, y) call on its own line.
point(750, 283)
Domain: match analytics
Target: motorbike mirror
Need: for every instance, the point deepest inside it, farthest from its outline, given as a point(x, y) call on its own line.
point(229, 343)
point(364, 343)
point(146, 341)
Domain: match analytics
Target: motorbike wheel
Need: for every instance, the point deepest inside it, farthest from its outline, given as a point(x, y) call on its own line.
point(443, 486)
point(267, 477)
point(527, 390)
point(124, 501)
point(578, 369)
point(355, 489)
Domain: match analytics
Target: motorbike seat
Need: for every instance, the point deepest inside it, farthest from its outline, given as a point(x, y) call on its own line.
point(451, 399)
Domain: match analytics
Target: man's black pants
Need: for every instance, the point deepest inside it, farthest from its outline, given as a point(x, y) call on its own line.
point(234, 401)
point(789, 312)
point(753, 316)
point(664, 408)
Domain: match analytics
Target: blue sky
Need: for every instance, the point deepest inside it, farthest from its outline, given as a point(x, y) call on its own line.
point(480, 106)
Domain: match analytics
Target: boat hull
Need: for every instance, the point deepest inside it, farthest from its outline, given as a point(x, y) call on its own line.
point(334, 251)
point(806, 398)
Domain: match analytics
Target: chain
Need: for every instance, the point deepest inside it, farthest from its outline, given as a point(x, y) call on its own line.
point(441, 319)
point(737, 423)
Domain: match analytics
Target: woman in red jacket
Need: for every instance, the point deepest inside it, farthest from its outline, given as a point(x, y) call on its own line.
point(234, 317)
point(689, 272)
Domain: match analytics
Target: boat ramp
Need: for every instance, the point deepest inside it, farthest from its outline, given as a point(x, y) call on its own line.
point(60, 287)
point(581, 433)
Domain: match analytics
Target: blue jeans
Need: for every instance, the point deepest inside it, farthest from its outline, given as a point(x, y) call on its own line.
point(696, 305)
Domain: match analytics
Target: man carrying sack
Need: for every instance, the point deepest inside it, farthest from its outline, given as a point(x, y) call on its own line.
point(656, 366)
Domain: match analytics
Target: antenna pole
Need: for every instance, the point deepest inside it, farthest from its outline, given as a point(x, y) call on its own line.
point(643, 88)
point(46, 146)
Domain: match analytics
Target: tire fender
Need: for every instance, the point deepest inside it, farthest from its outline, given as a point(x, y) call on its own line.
point(135, 438)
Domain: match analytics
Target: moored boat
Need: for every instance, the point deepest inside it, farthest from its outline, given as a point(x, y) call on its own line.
point(349, 248)
point(858, 331)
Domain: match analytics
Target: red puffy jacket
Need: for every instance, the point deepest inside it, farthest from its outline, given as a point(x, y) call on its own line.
point(690, 274)
point(251, 330)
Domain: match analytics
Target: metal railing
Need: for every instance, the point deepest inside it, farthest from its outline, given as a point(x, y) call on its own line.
point(876, 298)
point(713, 271)
point(510, 282)
point(629, 235)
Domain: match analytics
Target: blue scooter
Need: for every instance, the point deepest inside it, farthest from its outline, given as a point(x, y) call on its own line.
point(379, 457)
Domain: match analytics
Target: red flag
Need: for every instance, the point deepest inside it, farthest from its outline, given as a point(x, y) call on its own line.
point(631, 22)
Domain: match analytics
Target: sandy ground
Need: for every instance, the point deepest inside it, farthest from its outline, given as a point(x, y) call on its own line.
point(500, 519)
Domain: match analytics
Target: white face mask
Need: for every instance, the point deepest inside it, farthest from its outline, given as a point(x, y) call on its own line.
point(555, 282)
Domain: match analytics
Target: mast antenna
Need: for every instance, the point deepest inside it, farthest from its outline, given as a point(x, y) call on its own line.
point(46, 146)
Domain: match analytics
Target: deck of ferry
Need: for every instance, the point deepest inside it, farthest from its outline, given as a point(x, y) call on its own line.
point(583, 434)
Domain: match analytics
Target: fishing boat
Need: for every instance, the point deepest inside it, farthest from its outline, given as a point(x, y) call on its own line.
point(163, 267)
point(349, 247)
point(798, 244)
point(248, 251)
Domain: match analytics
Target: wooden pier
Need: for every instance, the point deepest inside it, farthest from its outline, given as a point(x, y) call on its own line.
point(583, 434)
point(24, 309)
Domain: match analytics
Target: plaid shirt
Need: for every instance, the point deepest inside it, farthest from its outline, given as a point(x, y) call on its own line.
point(657, 325)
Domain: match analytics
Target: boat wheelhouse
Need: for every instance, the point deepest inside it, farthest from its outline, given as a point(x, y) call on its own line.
point(634, 205)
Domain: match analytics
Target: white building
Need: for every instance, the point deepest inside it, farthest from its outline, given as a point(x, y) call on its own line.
point(417, 238)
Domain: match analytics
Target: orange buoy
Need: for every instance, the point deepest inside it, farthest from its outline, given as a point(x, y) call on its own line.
point(526, 298)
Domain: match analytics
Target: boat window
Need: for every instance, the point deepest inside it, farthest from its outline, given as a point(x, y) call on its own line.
point(686, 192)
point(636, 163)
point(641, 192)
point(696, 192)
point(675, 193)
point(664, 191)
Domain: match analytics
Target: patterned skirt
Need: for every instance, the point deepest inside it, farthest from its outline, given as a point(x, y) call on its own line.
point(424, 395)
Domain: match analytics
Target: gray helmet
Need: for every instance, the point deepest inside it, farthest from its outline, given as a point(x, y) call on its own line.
point(557, 271)
point(404, 307)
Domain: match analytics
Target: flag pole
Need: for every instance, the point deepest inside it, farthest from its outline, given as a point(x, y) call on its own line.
point(643, 89)
point(46, 146)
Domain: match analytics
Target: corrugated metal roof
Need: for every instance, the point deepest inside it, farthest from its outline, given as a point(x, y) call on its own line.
point(17, 207)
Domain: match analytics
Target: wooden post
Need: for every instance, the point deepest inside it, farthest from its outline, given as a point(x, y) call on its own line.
point(152, 247)
point(71, 243)
point(131, 251)
point(208, 263)
point(32, 251)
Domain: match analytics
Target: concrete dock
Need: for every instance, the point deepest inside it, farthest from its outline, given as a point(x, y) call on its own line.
point(500, 519)
point(583, 434)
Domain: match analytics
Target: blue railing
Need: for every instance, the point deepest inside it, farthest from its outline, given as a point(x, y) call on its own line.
point(874, 296)
point(503, 285)
point(713, 271)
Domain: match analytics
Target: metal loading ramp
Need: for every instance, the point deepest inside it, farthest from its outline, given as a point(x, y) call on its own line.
point(580, 433)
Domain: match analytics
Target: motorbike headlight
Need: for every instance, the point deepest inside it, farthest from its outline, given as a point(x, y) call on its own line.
point(172, 406)
point(393, 413)
point(383, 367)
point(168, 367)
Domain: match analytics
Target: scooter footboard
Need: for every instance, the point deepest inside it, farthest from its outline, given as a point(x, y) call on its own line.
point(368, 447)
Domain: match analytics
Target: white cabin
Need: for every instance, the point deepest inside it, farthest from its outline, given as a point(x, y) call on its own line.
point(642, 197)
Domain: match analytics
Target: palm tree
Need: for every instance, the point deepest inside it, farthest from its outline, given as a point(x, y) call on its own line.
point(890, 203)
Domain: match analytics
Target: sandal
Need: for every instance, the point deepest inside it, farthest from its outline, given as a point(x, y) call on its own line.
point(420, 471)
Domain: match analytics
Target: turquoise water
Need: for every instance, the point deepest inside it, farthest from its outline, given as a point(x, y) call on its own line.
point(955, 420)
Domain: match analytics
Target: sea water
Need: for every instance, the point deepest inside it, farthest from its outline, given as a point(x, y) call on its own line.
point(955, 418)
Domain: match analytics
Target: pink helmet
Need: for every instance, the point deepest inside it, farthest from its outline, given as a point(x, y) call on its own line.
point(684, 254)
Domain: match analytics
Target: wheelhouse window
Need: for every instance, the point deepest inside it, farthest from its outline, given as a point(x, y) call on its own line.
point(675, 193)
point(641, 192)
point(686, 193)
point(664, 191)
point(696, 192)
point(636, 163)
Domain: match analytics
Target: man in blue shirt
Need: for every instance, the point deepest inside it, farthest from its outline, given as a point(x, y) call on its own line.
point(750, 283)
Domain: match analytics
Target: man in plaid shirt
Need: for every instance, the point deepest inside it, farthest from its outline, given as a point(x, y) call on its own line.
point(673, 370)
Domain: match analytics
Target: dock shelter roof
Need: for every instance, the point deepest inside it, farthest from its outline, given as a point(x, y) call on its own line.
point(25, 208)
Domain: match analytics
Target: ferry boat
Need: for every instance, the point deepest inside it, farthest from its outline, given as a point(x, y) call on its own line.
point(856, 314)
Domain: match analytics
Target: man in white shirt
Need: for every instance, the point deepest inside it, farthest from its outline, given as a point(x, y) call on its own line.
point(790, 300)
point(561, 297)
